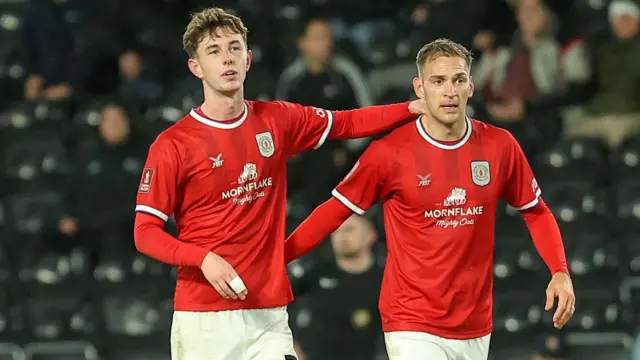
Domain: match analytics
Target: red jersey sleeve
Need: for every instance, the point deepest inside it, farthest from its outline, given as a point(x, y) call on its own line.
point(365, 183)
point(309, 127)
point(159, 182)
point(521, 188)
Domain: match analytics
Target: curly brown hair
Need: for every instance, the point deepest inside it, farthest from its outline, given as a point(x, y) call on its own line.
point(207, 23)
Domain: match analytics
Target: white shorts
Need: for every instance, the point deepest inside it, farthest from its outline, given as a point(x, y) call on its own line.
point(411, 345)
point(261, 334)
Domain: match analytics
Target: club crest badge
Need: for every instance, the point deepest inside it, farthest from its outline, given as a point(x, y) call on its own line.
point(265, 144)
point(480, 173)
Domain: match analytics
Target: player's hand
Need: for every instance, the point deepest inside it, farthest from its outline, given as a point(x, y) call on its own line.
point(418, 107)
point(223, 277)
point(561, 287)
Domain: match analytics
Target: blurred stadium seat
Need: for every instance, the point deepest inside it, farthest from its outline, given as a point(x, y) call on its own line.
point(573, 160)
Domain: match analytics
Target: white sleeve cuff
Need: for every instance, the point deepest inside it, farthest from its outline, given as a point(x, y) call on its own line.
point(327, 130)
point(353, 207)
point(531, 203)
point(151, 211)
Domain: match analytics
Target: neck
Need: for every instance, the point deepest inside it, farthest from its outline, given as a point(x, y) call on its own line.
point(356, 264)
point(445, 132)
point(315, 66)
point(222, 106)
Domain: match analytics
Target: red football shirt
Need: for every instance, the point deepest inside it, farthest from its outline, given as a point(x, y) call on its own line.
point(439, 202)
point(227, 194)
point(225, 184)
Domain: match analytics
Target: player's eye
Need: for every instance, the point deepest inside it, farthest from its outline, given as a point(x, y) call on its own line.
point(461, 80)
point(214, 52)
point(438, 82)
point(236, 48)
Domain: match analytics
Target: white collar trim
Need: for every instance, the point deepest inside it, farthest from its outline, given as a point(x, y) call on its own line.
point(436, 143)
point(221, 124)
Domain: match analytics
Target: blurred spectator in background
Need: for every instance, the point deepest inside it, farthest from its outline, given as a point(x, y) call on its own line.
point(338, 317)
point(321, 78)
point(74, 46)
point(512, 80)
point(101, 190)
point(551, 347)
point(613, 113)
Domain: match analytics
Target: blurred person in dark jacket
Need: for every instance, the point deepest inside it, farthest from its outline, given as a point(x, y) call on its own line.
point(337, 314)
point(102, 187)
point(319, 77)
point(613, 113)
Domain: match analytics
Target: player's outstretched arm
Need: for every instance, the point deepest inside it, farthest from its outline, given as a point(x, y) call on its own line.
point(545, 232)
point(373, 120)
point(324, 220)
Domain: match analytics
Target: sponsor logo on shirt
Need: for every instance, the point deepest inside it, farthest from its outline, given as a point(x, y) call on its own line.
point(455, 213)
point(250, 186)
point(217, 161)
point(424, 180)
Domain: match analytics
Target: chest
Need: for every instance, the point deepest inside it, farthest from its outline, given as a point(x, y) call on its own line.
point(238, 165)
point(452, 181)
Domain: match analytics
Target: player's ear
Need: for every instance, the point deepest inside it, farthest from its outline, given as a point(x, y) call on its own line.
point(418, 88)
point(249, 59)
point(472, 87)
point(195, 69)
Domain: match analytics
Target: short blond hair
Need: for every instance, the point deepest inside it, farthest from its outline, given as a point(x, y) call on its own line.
point(207, 23)
point(442, 47)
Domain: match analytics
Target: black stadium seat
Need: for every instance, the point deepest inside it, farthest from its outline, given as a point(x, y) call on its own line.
point(33, 213)
point(597, 310)
point(517, 316)
point(61, 350)
point(11, 351)
point(29, 161)
point(571, 160)
point(67, 318)
point(579, 208)
point(517, 264)
point(628, 202)
point(594, 261)
point(625, 160)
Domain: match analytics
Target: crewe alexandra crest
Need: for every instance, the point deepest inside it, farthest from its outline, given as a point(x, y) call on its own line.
point(265, 144)
point(480, 173)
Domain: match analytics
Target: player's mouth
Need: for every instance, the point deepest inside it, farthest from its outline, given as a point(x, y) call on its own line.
point(450, 107)
point(229, 74)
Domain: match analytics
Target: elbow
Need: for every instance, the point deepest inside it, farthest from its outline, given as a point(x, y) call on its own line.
point(139, 238)
point(143, 232)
